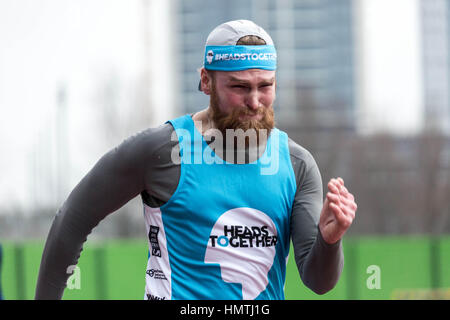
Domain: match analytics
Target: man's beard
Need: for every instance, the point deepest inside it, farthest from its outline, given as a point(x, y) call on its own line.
point(246, 138)
point(239, 118)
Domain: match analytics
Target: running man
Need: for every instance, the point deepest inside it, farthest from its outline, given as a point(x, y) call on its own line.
point(220, 211)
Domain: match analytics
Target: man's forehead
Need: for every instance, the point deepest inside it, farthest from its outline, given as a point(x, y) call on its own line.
point(250, 75)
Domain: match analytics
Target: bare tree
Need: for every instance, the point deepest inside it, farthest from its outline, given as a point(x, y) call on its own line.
point(434, 181)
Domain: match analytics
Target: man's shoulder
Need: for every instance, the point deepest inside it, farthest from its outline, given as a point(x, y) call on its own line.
point(148, 142)
point(303, 163)
point(300, 153)
point(162, 132)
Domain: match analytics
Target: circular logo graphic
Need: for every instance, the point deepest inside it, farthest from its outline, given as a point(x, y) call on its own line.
point(243, 242)
point(209, 56)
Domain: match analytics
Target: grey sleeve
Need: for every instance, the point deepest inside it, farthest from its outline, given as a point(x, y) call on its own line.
point(320, 264)
point(116, 178)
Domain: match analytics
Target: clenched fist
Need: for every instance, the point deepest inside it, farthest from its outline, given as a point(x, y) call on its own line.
point(338, 211)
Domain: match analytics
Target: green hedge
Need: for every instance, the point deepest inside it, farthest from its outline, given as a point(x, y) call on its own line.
point(410, 268)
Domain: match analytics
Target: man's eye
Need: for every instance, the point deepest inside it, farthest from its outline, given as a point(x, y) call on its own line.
point(238, 86)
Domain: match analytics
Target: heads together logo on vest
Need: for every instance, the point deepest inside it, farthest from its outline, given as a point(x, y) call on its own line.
point(237, 147)
point(243, 237)
point(242, 242)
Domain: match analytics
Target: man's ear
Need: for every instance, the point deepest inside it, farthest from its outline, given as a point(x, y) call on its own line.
point(206, 80)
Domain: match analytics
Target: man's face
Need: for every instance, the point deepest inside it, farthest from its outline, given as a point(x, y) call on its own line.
point(242, 99)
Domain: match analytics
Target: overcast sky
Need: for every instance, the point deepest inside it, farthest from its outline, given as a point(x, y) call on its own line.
point(46, 43)
point(389, 56)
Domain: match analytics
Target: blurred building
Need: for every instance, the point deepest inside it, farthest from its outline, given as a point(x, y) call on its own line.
point(435, 26)
point(315, 49)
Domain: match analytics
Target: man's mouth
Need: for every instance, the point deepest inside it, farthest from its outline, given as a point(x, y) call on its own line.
point(251, 116)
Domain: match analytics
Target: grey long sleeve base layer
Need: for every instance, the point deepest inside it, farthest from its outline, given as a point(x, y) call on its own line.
point(142, 165)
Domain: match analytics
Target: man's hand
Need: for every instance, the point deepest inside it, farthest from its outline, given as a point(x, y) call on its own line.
point(338, 211)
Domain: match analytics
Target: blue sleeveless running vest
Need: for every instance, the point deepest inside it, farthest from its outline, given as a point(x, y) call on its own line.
point(225, 232)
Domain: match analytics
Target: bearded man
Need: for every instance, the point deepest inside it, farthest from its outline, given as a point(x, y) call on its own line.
point(218, 225)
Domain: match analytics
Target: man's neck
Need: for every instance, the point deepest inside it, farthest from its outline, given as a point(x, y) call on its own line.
point(203, 121)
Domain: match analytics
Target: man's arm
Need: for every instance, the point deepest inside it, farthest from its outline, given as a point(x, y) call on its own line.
point(114, 180)
point(319, 263)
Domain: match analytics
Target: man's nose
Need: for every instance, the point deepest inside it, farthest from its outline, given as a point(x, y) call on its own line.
point(252, 101)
